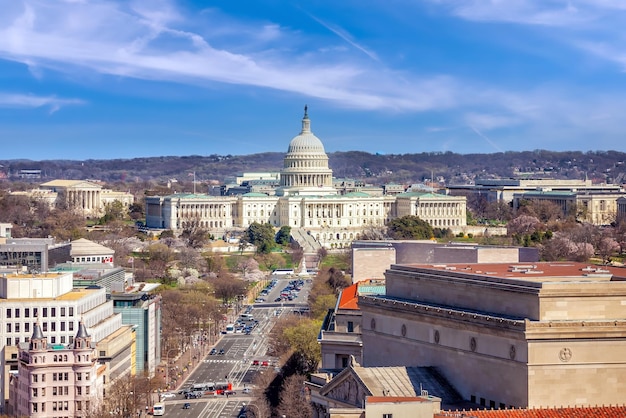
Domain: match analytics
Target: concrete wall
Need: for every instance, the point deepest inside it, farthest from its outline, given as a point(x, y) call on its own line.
point(371, 263)
point(487, 372)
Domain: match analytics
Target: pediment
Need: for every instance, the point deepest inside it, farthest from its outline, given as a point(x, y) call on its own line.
point(346, 388)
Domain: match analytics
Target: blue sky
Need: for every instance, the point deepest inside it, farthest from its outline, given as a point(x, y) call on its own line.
point(97, 79)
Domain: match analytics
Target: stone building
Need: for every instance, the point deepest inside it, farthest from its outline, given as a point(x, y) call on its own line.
point(306, 201)
point(596, 207)
point(55, 380)
point(505, 335)
point(51, 301)
point(371, 259)
point(85, 197)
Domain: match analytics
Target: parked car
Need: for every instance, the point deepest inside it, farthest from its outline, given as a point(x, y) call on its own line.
point(255, 362)
point(221, 352)
point(213, 352)
point(167, 395)
point(186, 405)
point(265, 363)
point(247, 390)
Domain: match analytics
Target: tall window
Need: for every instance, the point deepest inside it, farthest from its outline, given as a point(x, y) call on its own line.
point(350, 326)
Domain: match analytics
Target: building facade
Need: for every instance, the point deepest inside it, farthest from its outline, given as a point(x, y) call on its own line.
point(56, 380)
point(305, 200)
point(505, 335)
point(51, 301)
point(84, 197)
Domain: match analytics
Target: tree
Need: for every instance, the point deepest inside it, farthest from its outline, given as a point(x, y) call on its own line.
point(135, 211)
point(303, 341)
point(523, 225)
point(607, 246)
point(195, 237)
point(215, 263)
point(261, 236)
point(410, 227)
point(498, 211)
point(168, 233)
point(336, 279)
point(297, 253)
point(293, 401)
point(284, 235)
point(271, 261)
point(113, 211)
point(227, 287)
point(246, 265)
point(157, 258)
point(64, 225)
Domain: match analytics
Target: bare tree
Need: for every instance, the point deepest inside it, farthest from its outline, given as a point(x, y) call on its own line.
point(293, 399)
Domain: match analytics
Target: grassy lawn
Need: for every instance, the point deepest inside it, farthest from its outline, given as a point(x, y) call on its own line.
point(335, 260)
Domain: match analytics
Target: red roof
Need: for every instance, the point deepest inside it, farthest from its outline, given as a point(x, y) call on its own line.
point(579, 412)
point(349, 297)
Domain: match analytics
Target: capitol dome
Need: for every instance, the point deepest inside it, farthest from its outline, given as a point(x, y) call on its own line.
point(305, 167)
point(306, 141)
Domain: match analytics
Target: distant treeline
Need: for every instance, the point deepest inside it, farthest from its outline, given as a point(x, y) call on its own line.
point(447, 167)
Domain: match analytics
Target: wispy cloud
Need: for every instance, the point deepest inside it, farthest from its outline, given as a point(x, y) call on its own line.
point(532, 12)
point(153, 42)
point(343, 34)
point(592, 26)
point(487, 139)
point(15, 100)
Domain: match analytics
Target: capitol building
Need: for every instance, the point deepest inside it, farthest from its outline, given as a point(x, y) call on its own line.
point(306, 201)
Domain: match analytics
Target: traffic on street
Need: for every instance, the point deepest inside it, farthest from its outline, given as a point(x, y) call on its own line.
point(221, 386)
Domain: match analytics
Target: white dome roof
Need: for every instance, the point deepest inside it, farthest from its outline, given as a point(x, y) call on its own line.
point(306, 141)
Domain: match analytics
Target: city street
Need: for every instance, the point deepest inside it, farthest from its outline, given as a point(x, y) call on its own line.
point(244, 356)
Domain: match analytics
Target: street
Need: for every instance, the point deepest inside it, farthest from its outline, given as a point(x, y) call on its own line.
point(244, 356)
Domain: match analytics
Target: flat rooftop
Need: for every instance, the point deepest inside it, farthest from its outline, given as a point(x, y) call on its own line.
point(31, 276)
point(532, 272)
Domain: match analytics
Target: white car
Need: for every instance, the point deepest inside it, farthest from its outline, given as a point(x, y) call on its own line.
point(246, 390)
point(167, 395)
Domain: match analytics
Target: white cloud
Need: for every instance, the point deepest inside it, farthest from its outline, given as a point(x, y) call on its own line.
point(16, 100)
point(152, 42)
point(533, 12)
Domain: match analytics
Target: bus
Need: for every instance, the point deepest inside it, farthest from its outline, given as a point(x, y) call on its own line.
point(246, 317)
point(221, 387)
point(158, 409)
point(203, 386)
point(230, 329)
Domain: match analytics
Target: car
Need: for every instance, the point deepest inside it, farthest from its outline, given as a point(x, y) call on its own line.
point(265, 363)
point(247, 390)
point(278, 299)
point(255, 362)
point(229, 392)
point(213, 352)
point(221, 352)
point(186, 405)
point(167, 395)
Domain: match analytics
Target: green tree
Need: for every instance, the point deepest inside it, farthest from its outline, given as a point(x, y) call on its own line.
point(283, 235)
point(303, 340)
point(410, 227)
point(135, 211)
point(261, 236)
point(113, 211)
